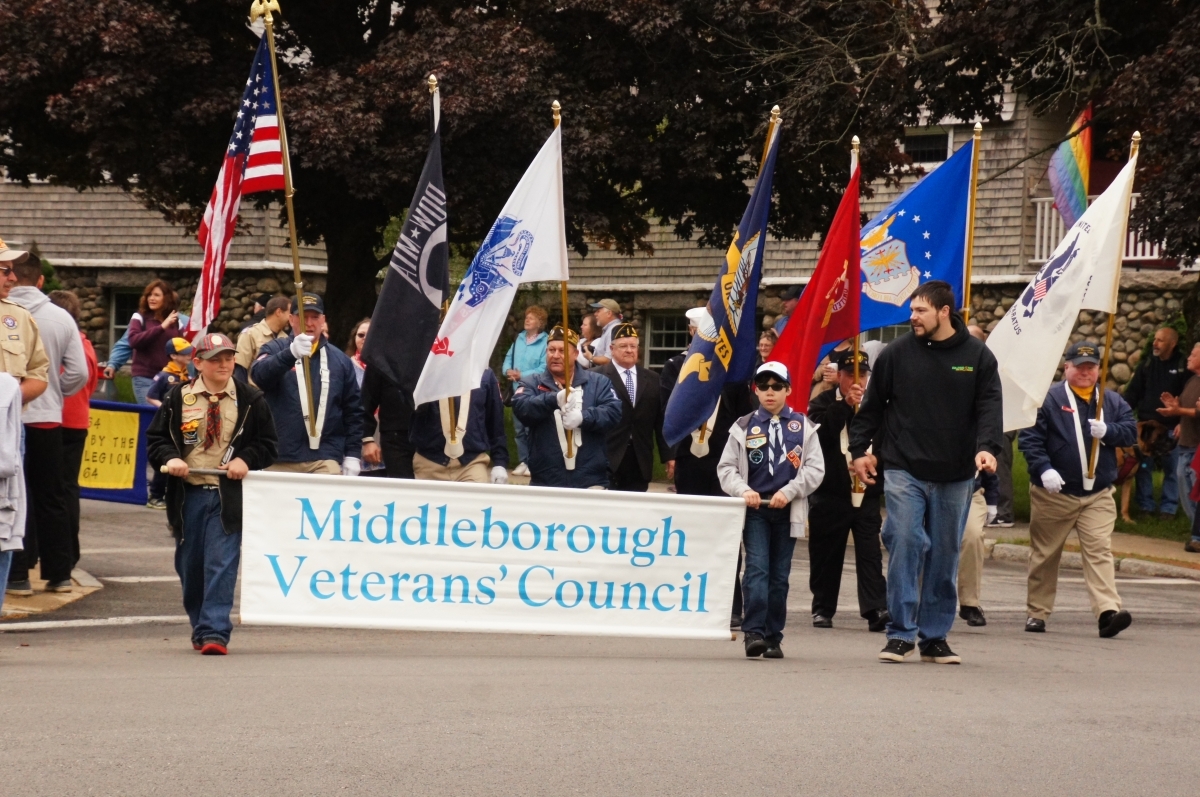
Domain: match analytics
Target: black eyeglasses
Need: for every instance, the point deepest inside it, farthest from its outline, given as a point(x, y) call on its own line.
point(769, 386)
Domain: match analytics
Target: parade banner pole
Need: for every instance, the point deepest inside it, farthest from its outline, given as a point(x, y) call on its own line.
point(432, 83)
point(567, 360)
point(976, 138)
point(856, 485)
point(1134, 144)
point(264, 9)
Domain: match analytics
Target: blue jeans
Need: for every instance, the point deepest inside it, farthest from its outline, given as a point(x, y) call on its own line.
point(522, 434)
point(206, 560)
point(1185, 477)
point(141, 386)
point(769, 546)
point(5, 564)
point(923, 534)
point(1145, 484)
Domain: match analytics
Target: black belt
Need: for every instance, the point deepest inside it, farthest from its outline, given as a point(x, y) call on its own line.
point(202, 486)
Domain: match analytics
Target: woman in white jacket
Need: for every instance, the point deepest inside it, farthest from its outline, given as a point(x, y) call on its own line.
point(773, 461)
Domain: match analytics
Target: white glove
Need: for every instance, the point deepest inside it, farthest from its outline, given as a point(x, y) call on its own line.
point(575, 402)
point(499, 475)
point(993, 511)
point(351, 466)
point(1052, 481)
point(572, 418)
point(302, 346)
point(562, 399)
point(1098, 428)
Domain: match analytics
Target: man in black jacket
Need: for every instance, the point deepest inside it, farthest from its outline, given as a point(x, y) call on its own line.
point(631, 442)
point(214, 422)
point(394, 406)
point(934, 413)
point(833, 515)
point(1164, 372)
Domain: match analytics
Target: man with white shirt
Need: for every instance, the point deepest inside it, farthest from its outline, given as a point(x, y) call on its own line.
point(631, 442)
point(608, 318)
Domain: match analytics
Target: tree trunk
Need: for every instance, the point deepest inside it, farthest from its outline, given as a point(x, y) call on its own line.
point(350, 285)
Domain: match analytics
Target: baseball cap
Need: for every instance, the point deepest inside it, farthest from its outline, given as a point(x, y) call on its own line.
point(607, 304)
point(773, 368)
point(845, 360)
point(213, 344)
point(792, 293)
point(262, 299)
point(7, 255)
point(312, 303)
point(1085, 351)
point(179, 346)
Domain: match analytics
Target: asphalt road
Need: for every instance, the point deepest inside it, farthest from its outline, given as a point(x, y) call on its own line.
point(132, 710)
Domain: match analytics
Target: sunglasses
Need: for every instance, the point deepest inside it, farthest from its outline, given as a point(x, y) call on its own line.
point(770, 386)
point(360, 335)
point(6, 270)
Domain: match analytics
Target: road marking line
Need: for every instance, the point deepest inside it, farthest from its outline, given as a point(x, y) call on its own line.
point(138, 579)
point(158, 549)
point(47, 625)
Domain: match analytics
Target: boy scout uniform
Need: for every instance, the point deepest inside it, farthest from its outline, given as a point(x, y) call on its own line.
point(21, 350)
point(251, 340)
point(194, 426)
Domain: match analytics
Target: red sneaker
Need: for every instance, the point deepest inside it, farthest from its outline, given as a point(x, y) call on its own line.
point(212, 647)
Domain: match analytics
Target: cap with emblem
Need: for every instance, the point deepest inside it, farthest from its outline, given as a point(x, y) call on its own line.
point(210, 346)
point(845, 360)
point(608, 304)
point(775, 369)
point(625, 331)
point(8, 255)
point(179, 346)
point(557, 334)
point(313, 303)
point(1083, 351)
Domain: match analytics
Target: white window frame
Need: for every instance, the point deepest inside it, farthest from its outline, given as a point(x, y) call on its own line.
point(652, 321)
point(931, 130)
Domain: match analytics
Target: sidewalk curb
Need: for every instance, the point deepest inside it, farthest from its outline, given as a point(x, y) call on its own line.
point(1007, 552)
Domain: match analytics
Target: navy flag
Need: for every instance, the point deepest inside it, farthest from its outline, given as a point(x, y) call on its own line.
point(723, 348)
point(408, 311)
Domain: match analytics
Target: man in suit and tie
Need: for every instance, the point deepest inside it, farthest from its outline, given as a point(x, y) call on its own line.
point(631, 442)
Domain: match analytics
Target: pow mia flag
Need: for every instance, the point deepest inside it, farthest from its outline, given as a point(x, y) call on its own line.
point(407, 313)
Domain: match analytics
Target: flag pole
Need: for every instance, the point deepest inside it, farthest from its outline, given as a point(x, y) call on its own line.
point(976, 138)
point(1134, 144)
point(432, 84)
point(264, 9)
point(568, 361)
point(855, 486)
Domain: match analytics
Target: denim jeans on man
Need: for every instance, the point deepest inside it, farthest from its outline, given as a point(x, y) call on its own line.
point(1145, 484)
point(1185, 478)
point(769, 545)
point(522, 435)
point(206, 560)
point(923, 535)
point(5, 563)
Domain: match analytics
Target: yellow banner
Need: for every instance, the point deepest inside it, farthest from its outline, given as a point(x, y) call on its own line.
point(110, 455)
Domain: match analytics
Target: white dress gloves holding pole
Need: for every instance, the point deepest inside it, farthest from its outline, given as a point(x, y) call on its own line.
point(301, 346)
point(572, 408)
point(1098, 428)
point(1052, 481)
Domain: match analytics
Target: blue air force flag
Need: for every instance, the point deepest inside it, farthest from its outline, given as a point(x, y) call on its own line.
point(527, 243)
point(1081, 274)
point(722, 350)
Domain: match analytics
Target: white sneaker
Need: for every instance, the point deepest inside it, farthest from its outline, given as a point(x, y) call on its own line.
point(521, 470)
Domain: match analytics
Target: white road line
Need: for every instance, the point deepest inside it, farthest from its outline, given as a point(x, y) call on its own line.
point(138, 579)
point(157, 549)
point(47, 625)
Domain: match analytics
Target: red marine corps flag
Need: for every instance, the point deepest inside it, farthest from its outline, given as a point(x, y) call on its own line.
point(253, 163)
point(828, 308)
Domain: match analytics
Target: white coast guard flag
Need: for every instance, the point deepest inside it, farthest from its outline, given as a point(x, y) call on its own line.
point(1081, 275)
point(528, 243)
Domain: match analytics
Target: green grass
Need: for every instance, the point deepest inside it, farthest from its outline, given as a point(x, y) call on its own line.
point(124, 385)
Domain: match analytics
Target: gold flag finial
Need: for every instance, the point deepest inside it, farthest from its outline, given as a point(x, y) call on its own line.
point(775, 113)
point(1135, 143)
point(854, 142)
point(554, 106)
point(264, 8)
point(978, 130)
point(432, 83)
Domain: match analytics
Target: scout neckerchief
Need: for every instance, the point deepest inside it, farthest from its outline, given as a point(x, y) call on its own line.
point(314, 442)
point(1083, 453)
point(576, 437)
point(454, 450)
point(176, 369)
point(700, 437)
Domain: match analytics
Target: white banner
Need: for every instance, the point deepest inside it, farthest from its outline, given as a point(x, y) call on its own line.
point(391, 553)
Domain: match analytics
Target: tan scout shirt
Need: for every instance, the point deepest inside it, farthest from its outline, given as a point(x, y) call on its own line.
point(21, 351)
point(253, 339)
point(194, 425)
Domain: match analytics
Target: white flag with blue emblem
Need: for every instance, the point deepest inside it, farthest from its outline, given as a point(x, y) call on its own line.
point(1082, 274)
point(527, 243)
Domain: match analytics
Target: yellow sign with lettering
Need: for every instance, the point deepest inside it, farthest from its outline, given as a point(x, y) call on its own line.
point(110, 454)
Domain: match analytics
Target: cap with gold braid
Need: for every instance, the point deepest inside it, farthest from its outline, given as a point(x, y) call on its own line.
point(557, 334)
point(625, 331)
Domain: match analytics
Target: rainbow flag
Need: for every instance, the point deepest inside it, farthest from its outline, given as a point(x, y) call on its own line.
point(1069, 168)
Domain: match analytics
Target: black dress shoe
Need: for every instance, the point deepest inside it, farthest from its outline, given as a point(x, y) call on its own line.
point(1192, 546)
point(755, 645)
point(1113, 622)
point(773, 651)
point(877, 620)
point(973, 615)
point(1035, 625)
point(821, 621)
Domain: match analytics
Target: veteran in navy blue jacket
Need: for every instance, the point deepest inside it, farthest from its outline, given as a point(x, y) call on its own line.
point(338, 403)
point(587, 415)
point(1062, 498)
point(481, 441)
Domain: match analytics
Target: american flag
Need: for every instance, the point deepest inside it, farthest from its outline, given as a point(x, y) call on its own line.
point(253, 163)
point(1040, 289)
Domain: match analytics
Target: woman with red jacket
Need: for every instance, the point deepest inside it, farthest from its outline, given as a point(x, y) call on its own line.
point(156, 322)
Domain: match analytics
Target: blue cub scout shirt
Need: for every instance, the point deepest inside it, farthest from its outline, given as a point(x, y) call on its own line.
point(758, 448)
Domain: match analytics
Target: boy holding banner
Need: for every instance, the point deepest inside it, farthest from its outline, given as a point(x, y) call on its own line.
point(773, 461)
point(214, 423)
